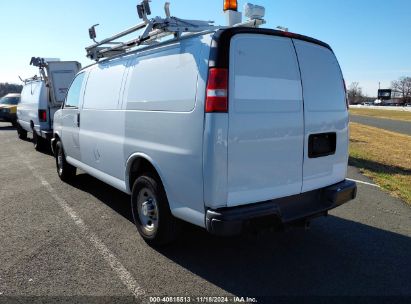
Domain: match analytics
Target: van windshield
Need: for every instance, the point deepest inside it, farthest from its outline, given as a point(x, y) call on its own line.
point(9, 100)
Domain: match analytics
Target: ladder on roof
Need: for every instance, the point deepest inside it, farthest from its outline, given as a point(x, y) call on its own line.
point(153, 30)
point(41, 63)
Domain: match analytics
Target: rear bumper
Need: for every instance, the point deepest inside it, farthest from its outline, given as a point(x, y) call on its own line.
point(44, 133)
point(231, 221)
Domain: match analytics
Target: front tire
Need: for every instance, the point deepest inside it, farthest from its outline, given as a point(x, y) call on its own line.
point(151, 211)
point(65, 171)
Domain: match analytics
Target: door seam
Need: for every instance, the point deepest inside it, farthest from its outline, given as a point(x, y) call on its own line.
point(303, 103)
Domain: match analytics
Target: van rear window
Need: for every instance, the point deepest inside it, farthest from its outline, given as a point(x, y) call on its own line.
point(264, 74)
point(322, 78)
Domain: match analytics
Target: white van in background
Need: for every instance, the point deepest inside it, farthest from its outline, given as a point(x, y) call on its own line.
point(222, 129)
point(42, 96)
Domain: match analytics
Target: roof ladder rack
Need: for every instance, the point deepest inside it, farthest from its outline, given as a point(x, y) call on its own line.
point(153, 30)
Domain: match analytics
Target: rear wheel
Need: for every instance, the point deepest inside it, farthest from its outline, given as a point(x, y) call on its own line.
point(39, 142)
point(65, 171)
point(22, 134)
point(151, 211)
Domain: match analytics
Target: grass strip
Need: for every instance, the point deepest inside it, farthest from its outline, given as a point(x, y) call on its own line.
point(387, 114)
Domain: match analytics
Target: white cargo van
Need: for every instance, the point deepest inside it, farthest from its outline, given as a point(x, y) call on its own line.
point(42, 96)
point(220, 129)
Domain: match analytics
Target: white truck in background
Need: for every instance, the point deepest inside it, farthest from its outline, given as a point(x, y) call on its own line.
point(221, 127)
point(42, 96)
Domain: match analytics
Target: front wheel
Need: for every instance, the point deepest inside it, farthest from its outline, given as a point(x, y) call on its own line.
point(65, 171)
point(151, 211)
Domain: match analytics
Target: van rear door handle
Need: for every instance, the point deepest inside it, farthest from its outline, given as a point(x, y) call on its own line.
point(78, 120)
point(320, 145)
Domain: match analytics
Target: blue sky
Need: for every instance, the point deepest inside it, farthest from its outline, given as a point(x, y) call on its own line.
point(371, 38)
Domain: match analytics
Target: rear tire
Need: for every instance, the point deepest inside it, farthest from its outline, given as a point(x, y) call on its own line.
point(65, 171)
point(151, 211)
point(39, 142)
point(22, 134)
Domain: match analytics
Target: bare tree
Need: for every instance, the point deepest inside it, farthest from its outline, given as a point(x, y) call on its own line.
point(354, 93)
point(6, 88)
point(403, 87)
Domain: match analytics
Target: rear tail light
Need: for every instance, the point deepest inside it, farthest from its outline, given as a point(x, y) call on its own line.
point(346, 95)
point(217, 91)
point(42, 115)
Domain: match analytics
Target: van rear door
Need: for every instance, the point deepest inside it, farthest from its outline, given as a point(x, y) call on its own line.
point(266, 119)
point(325, 115)
point(61, 74)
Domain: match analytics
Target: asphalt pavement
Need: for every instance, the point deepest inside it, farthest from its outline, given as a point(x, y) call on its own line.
point(392, 125)
point(77, 243)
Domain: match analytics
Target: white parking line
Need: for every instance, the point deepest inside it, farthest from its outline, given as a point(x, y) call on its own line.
point(123, 274)
point(364, 183)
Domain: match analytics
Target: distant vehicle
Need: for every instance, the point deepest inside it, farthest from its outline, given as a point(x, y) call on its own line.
point(41, 97)
point(211, 127)
point(367, 103)
point(8, 108)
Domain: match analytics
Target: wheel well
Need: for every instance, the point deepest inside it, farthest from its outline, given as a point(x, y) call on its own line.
point(139, 166)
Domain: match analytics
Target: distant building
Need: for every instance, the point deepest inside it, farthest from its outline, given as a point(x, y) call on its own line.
point(389, 97)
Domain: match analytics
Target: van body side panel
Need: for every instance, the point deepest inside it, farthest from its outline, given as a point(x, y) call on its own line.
point(266, 124)
point(164, 117)
point(215, 159)
point(101, 119)
point(325, 112)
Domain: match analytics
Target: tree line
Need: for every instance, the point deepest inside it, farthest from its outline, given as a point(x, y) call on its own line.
point(401, 89)
point(6, 88)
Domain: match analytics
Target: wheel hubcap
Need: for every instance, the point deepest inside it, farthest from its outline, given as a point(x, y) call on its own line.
point(147, 211)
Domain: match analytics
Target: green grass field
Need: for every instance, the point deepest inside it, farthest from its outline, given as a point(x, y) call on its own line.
point(383, 156)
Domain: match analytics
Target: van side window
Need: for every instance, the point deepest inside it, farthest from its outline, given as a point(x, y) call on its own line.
point(103, 85)
point(73, 95)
